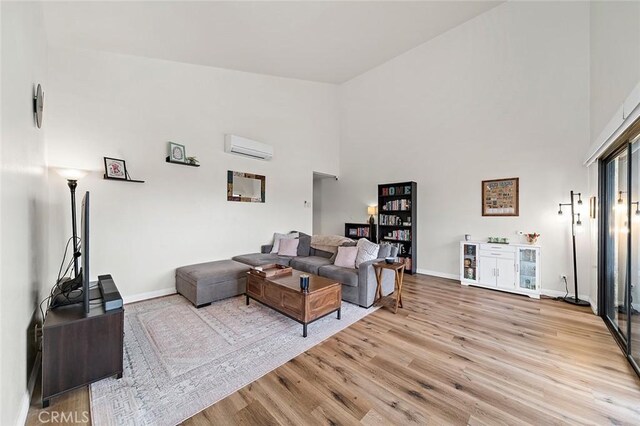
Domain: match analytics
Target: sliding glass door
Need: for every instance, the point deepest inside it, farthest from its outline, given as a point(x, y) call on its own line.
point(617, 239)
point(632, 301)
point(620, 247)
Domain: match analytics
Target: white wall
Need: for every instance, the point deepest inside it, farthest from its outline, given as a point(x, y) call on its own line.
point(615, 58)
point(22, 201)
point(614, 73)
point(503, 95)
point(103, 104)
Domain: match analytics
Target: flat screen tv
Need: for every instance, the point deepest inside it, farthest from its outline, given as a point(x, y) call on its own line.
point(84, 249)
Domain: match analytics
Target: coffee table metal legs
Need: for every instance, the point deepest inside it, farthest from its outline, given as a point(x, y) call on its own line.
point(340, 313)
point(304, 330)
point(247, 296)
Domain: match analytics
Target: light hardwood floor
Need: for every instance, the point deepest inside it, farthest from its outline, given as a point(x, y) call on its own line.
point(452, 355)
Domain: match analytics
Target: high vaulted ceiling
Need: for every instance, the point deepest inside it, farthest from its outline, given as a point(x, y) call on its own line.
point(310, 40)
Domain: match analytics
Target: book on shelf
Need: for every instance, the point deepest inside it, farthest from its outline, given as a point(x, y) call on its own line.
point(406, 261)
point(393, 220)
point(400, 235)
point(401, 204)
point(359, 232)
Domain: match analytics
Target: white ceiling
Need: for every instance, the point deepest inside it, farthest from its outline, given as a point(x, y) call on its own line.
point(310, 40)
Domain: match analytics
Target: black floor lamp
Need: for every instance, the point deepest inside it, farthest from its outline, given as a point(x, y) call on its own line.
point(72, 176)
point(575, 222)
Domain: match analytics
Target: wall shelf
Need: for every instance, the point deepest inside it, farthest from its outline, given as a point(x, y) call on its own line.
point(182, 164)
point(123, 180)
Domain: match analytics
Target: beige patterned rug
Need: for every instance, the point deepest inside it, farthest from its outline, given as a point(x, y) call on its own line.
point(178, 360)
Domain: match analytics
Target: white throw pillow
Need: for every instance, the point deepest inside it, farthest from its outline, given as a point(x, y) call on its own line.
point(277, 237)
point(366, 251)
point(346, 257)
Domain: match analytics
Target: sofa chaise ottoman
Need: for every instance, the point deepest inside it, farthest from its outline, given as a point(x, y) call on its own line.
point(204, 283)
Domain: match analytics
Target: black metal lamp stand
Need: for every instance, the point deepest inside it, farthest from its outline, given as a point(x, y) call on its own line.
point(72, 186)
point(574, 300)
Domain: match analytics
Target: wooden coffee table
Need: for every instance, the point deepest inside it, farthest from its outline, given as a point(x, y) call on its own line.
point(283, 294)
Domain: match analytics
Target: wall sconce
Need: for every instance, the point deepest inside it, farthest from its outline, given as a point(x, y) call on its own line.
point(576, 225)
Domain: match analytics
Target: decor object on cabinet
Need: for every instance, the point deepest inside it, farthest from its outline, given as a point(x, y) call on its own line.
point(513, 268)
point(498, 240)
point(116, 169)
point(532, 238)
point(372, 211)
point(245, 187)
point(397, 209)
point(38, 105)
point(500, 197)
point(576, 224)
point(356, 231)
point(177, 153)
point(467, 237)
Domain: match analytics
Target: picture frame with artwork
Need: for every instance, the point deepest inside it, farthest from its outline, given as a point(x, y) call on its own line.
point(177, 153)
point(115, 168)
point(501, 197)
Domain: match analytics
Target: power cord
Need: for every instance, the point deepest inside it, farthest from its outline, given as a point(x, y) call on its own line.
point(566, 288)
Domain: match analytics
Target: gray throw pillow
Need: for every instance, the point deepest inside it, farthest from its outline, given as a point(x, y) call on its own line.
point(385, 251)
point(304, 246)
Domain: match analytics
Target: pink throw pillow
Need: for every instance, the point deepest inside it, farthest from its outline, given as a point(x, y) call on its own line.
point(288, 247)
point(346, 257)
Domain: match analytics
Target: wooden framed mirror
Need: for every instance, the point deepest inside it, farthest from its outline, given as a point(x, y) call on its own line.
point(245, 187)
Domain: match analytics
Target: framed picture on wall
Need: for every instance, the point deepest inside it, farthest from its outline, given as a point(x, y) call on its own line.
point(114, 168)
point(500, 197)
point(177, 153)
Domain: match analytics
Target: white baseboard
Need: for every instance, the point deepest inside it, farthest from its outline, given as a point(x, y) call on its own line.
point(25, 403)
point(149, 295)
point(438, 274)
point(24, 408)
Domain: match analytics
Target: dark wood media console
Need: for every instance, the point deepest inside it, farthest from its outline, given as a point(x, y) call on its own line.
point(79, 349)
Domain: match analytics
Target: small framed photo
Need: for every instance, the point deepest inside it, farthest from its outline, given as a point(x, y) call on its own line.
point(115, 168)
point(177, 153)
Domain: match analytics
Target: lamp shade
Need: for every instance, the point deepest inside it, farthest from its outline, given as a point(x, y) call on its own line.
point(71, 174)
point(372, 210)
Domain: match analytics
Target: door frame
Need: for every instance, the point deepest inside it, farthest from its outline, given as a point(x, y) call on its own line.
point(622, 145)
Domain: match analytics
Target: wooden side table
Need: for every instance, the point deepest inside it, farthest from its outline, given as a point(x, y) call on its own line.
point(398, 270)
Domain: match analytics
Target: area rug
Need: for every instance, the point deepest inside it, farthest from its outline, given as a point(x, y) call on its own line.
point(178, 360)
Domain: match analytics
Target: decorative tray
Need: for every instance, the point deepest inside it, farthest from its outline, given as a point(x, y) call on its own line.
point(271, 270)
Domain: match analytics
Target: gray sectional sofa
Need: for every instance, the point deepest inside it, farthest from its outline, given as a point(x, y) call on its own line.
point(358, 285)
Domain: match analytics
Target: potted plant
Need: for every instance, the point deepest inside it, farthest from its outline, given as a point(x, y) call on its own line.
point(532, 238)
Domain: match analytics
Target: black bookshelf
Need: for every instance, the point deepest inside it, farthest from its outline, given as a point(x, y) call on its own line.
point(355, 231)
point(397, 220)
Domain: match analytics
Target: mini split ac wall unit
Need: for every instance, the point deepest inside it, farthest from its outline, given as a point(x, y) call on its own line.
point(246, 147)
